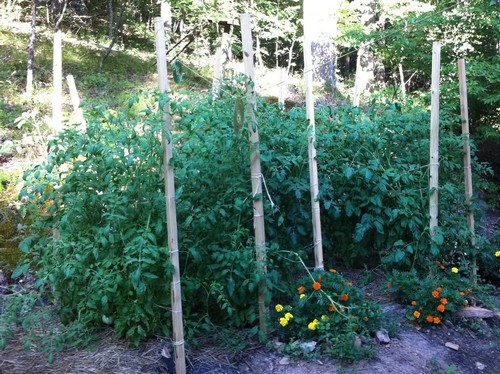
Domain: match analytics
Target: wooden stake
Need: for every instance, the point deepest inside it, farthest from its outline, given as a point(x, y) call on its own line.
point(222, 57)
point(75, 100)
point(57, 82)
point(256, 174)
point(434, 139)
point(313, 162)
point(464, 111)
point(178, 333)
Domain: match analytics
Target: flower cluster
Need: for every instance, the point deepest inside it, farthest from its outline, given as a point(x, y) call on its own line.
point(323, 306)
point(432, 299)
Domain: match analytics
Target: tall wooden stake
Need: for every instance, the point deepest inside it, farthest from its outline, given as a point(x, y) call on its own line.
point(57, 81)
point(31, 51)
point(178, 333)
point(434, 139)
point(313, 162)
point(75, 101)
point(464, 111)
point(256, 174)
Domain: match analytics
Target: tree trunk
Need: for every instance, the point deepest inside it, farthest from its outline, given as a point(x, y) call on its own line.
point(117, 26)
point(368, 68)
point(324, 15)
point(166, 16)
point(31, 52)
point(110, 19)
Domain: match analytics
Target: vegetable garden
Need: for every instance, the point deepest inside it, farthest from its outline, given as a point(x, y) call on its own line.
point(97, 236)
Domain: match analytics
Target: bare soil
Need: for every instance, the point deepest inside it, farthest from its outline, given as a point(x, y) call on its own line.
point(411, 351)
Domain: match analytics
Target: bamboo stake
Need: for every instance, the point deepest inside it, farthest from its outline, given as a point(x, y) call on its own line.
point(464, 111)
point(434, 139)
point(256, 174)
point(178, 329)
point(313, 162)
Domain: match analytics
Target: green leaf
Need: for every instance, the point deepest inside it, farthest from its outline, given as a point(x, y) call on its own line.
point(21, 269)
point(230, 286)
point(239, 114)
point(177, 71)
point(399, 255)
point(348, 172)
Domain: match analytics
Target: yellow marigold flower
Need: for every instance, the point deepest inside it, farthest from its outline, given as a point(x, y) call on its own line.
point(278, 307)
point(312, 325)
point(454, 270)
point(441, 308)
point(317, 286)
point(324, 317)
point(416, 314)
point(283, 321)
point(302, 296)
point(288, 316)
point(497, 254)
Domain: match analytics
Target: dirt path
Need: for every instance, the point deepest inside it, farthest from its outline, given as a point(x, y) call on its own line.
point(411, 352)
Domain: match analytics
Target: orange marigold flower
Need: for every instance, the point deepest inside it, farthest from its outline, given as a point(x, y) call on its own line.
point(430, 319)
point(301, 289)
point(444, 301)
point(344, 297)
point(317, 286)
point(439, 289)
point(416, 314)
point(413, 303)
point(331, 308)
point(441, 308)
point(435, 294)
point(462, 294)
point(437, 320)
point(333, 271)
point(442, 267)
point(349, 284)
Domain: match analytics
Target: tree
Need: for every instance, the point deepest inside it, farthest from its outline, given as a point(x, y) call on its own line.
point(368, 68)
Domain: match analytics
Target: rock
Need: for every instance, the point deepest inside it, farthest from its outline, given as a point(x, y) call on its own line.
point(307, 347)
point(285, 361)
point(357, 341)
point(278, 346)
point(476, 312)
point(452, 346)
point(480, 366)
point(383, 336)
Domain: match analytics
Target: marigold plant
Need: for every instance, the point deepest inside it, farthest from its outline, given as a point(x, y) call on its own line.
point(437, 298)
point(332, 314)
